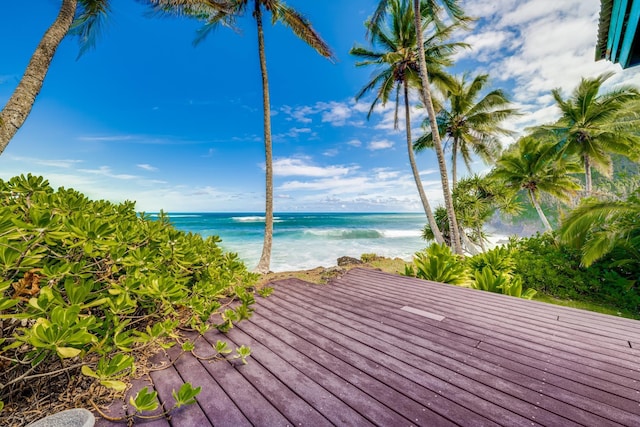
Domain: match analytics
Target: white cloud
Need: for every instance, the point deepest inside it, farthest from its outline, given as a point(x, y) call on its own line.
point(106, 171)
point(147, 167)
point(336, 113)
point(381, 144)
point(354, 143)
point(303, 167)
point(106, 138)
point(61, 163)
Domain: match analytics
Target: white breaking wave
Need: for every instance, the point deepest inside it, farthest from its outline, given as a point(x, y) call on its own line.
point(401, 233)
point(362, 233)
point(253, 218)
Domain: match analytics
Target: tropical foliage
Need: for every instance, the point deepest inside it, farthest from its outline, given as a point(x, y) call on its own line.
point(598, 228)
point(476, 199)
point(437, 263)
point(469, 124)
point(594, 125)
point(492, 271)
point(555, 269)
point(535, 166)
point(84, 283)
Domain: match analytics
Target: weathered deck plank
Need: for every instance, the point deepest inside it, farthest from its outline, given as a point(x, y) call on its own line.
point(481, 382)
point(435, 342)
point(460, 310)
point(348, 354)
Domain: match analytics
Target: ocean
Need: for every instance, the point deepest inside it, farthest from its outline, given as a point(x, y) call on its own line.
point(307, 240)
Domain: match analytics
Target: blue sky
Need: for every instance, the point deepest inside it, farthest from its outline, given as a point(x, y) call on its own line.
point(148, 117)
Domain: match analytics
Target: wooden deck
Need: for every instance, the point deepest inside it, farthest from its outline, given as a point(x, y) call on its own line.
point(379, 349)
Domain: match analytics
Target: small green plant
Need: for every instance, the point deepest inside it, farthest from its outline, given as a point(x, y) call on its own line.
point(145, 400)
point(369, 257)
point(439, 264)
point(265, 291)
point(242, 353)
point(110, 370)
point(186, 395)
point(222, 347)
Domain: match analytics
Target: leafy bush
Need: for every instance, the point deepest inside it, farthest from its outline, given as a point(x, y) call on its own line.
point(83, 283)
point(493, 271)
point(439, 264)
point(554, 269)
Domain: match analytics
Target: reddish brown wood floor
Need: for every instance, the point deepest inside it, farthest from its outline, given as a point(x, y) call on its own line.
point(379, 349)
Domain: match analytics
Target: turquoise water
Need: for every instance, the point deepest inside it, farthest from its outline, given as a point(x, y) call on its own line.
point(308, 240)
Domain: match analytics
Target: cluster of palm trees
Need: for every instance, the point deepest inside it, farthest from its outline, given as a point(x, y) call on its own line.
point(465, 113)
point(410, 48)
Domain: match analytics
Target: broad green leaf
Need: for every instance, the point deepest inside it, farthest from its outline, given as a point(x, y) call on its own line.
point(88, 372)
point(114, 384)
point(186, 395)
point(145, 400)
point(67, 352)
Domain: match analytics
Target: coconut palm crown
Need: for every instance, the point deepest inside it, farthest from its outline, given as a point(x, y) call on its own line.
point(469, 124)
point(536, 167)
point(594, 126)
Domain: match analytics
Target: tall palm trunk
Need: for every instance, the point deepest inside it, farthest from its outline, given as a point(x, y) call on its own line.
point(587, 175)
point(416, 174)
point(541, 214)
point(265, 258)
point(16, 110)
point(437, 143)
point(454, 162)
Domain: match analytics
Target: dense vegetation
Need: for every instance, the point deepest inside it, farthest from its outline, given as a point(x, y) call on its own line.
point(85, 285)
point(555, 269)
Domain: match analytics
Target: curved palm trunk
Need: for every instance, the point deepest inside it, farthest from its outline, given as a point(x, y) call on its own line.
point(587, 175)
point(416, 174)
point(265, 258)
point(437, 143)
point(16, 110)
point(541, 214)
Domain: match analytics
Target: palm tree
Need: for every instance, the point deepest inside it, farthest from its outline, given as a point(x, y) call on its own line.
point(599, 227)
point(397, 62)
point(432, 9)
point(77, 17)
point(594, 126)
point(470, 124)
point(301, 27)
point(476, 199)
point(536, 167)
point(19, 105)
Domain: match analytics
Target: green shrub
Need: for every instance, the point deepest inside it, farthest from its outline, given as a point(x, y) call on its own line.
point(439, 264)
point(85, 282)
point(554, 269)
point(493, 271)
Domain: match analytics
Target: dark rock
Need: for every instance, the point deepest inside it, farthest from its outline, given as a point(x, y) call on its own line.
point(347, 260)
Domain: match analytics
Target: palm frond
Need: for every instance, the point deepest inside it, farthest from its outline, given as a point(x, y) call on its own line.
point(301, 27)
point(89, 23)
